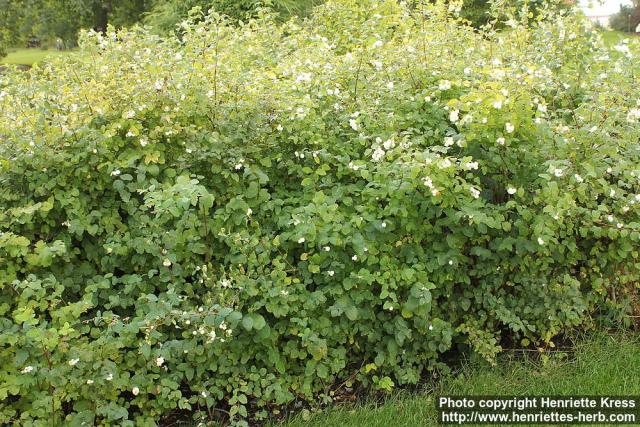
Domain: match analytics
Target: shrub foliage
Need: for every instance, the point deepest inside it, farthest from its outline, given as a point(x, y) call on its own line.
point(250, 215)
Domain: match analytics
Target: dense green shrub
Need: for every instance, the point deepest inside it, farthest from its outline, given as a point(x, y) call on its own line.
point(248, 216)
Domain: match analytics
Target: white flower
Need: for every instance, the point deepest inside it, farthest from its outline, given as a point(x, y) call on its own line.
point(304, 77)
point(239, 166)
point(390, 85)
point(445, 164)
point(542, 108)
point(331, 273)
point(166, 262)
point(301, 240)
point(159, 84)
point(428, 182)
point(73, 362)
point(444, 85)
point(497, 104)
point(612, 193)
point(378, 154)
point(249, 212)
point(354, 258)
point(540, 241)
point(383, 225)
point(327, 248)
point(509, 127)
point(511, 190)
point(471, 165)
point(279, 128)
point(633, 115)
point(448, 141)
point(109, 377)
point(204, 394)
point(610, 218)
point(135, 391)
point(498, 74)
point(558, 172)
point(129, 114)
point(467, 70)
point(619, 225)
point(454, 116)
point(89, 382)
point(143, 141)
point(474, 192)
point(377, 44)
point(354, 124)
point(27, 369)
point(389, 144)
point(431, 327)
point(622, 48)
point(159, 361)
point(578, 178)
point(500, 141)
point(115, 172)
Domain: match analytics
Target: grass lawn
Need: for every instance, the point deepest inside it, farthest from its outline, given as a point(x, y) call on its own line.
point(614, 37)
point(600, 365)
point(29, 56)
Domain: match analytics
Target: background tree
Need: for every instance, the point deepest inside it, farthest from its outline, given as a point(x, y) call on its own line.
point(47, 20)
point(628, 18)
point(3, 47)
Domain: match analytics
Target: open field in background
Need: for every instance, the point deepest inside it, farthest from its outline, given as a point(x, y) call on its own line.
point(600, 365)
point(23, 56)
point(613, 37)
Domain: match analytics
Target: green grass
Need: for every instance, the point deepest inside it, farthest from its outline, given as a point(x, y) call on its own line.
point(30, 56)
point(600, 365)
point(614, 37)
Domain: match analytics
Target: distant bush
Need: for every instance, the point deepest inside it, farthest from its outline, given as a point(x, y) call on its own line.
point(483, 12)
point(255, 215)
point(164, 16)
